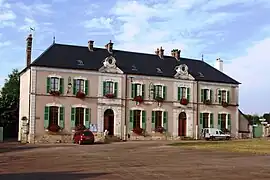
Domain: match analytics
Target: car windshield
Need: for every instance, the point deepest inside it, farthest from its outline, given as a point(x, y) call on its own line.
point(221, 132)
point(87, 133)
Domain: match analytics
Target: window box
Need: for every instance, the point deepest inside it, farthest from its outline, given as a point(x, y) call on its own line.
point(207, 102)
point(160, 129)
point(109, 95)
point(159, 99)
point(80, 95)
point(184, 101)
point(55, 93)
point(138, 99)
point(138, 131)
point(54, 128)
point(224, 104)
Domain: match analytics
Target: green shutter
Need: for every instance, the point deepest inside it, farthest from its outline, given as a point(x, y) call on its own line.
point(46, 117)
point(143, 90)
point(219, 121)
point(202, 95)
point(115, 89)
point(164, 92)
point(188, 94)
point(133, 87)
point(144, 120)
point(153, 119)
point(211, 120)
point(155, 89)
point(86, 90)
point(61, 85)
point(131, 119)
point(211, 95)
point(104, 88)
point(62, 117)
point(87, 118)
point(179, 93)
point(229, 122)
point(165, 120)
point(201, 122)
point(219, 96)
point(74, 86)
point(73, 116)
point(48, 84)
point(228, 96)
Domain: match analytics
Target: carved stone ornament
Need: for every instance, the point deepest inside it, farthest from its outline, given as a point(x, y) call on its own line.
point(182, 69)
point(109, 62)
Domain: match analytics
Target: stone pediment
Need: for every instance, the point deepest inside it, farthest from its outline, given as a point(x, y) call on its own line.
point(109, 66)
point(182, 72)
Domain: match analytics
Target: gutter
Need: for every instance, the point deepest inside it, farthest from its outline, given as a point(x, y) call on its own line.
point(197, 121)
point(126, 102)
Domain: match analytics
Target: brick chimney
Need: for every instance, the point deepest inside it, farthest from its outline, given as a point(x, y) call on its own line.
point(161, 53)
point(91, 45)
point(109, 47)
point(28, 49)
point(176, 54)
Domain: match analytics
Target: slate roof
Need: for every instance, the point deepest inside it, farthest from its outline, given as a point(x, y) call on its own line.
point(66, 56)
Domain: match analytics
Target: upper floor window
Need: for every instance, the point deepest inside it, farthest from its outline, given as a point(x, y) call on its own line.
point(223, 96)
point(80, 85)
point(55, 84)
point(137, 89)
point(160, 91)
point(183, 93)
point(206, 95)
point(110, 88)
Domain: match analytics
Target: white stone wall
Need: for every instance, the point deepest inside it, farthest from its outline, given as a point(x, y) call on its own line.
point(189, 122)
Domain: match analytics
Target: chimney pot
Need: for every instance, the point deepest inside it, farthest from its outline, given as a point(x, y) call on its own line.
point(29, 40)
point(109, 47)
point(157, 51)
point(161, 53)
point(91, 45)
point(219, 64)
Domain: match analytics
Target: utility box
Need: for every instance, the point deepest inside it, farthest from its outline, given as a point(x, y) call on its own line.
point(1, 134)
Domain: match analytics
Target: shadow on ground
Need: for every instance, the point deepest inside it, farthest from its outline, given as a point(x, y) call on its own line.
point(50, 176)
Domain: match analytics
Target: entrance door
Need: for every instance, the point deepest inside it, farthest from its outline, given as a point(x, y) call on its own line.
point(182, 124)
point(109, 121)
point(158, 119)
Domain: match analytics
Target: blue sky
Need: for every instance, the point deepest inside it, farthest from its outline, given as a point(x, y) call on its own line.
point(237, 31)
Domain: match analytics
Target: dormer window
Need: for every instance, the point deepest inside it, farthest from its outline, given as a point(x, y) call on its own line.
point(159, 70)
point(133, 68)
point(200, 74)
point(80, 62)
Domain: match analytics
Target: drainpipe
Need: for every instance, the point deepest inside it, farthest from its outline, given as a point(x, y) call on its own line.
point(197, 121)
point(126, 102)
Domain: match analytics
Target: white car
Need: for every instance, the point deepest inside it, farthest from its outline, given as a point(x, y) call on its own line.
point(214, 133)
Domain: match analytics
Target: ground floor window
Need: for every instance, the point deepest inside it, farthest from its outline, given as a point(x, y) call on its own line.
point(54, 115)
point(137, 119)
point(158, 119)
point(224, 122)
point(223, 118)
point(205, 120)
point(54, 118)
point(79, 116)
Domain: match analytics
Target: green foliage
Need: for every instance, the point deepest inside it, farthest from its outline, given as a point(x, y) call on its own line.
point(9, 100)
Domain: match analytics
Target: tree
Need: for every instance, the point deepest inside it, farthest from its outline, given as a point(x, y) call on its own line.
point(9, 100)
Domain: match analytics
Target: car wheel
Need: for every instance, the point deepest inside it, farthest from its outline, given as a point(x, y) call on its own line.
point(212, 138)
point(228, 138)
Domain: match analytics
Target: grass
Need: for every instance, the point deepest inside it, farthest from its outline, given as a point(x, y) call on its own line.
point(256, 146)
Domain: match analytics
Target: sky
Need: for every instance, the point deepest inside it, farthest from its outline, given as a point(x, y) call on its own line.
point(237, 31)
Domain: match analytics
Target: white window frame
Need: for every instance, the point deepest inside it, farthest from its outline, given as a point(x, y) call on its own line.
point(209, 117)
point(227, 118)
point(162, 86)
point(184, 88)
point(162, 115)
point(84, 111)
point(55, 105)
point(80, 84)
point(139, 91)
point(80, 78)
point(58, 78)
point(226, 94)
point(208, 96)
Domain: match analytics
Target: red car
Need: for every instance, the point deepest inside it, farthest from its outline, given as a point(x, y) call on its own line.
point(83, 137)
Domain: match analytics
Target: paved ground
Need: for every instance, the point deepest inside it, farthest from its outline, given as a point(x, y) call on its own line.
point(130, 160)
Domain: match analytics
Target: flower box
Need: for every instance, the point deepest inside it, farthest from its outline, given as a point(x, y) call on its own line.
point(159, 99)
point(138, 99)
point(80, 95)
point(110, 95)
point(224, 104)
point(184, 101)
point(207, 101)
point(160, 129)
point(55, 93)
point(54, 128)
point(80, 127)
point(138, 131)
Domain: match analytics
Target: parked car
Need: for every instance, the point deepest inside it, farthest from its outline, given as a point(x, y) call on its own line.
point(84, 137)
point(214, 133)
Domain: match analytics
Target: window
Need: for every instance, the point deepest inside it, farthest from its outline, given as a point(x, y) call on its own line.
point(223, 96)
point(137, 89)
point(53, 119)
point(79, 116)
point(55, 84)
point(79, 85)
point(183, 93)
point(109, 89)
point(224, 122)
point(133, 68)
point(206, 120)
point(159, 70)
point(137, 119)
point(80, 62)
point(158, 91)
point(159, 119)
point(206, 94)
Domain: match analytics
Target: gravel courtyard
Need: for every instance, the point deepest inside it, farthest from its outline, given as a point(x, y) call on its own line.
point(127, 160)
